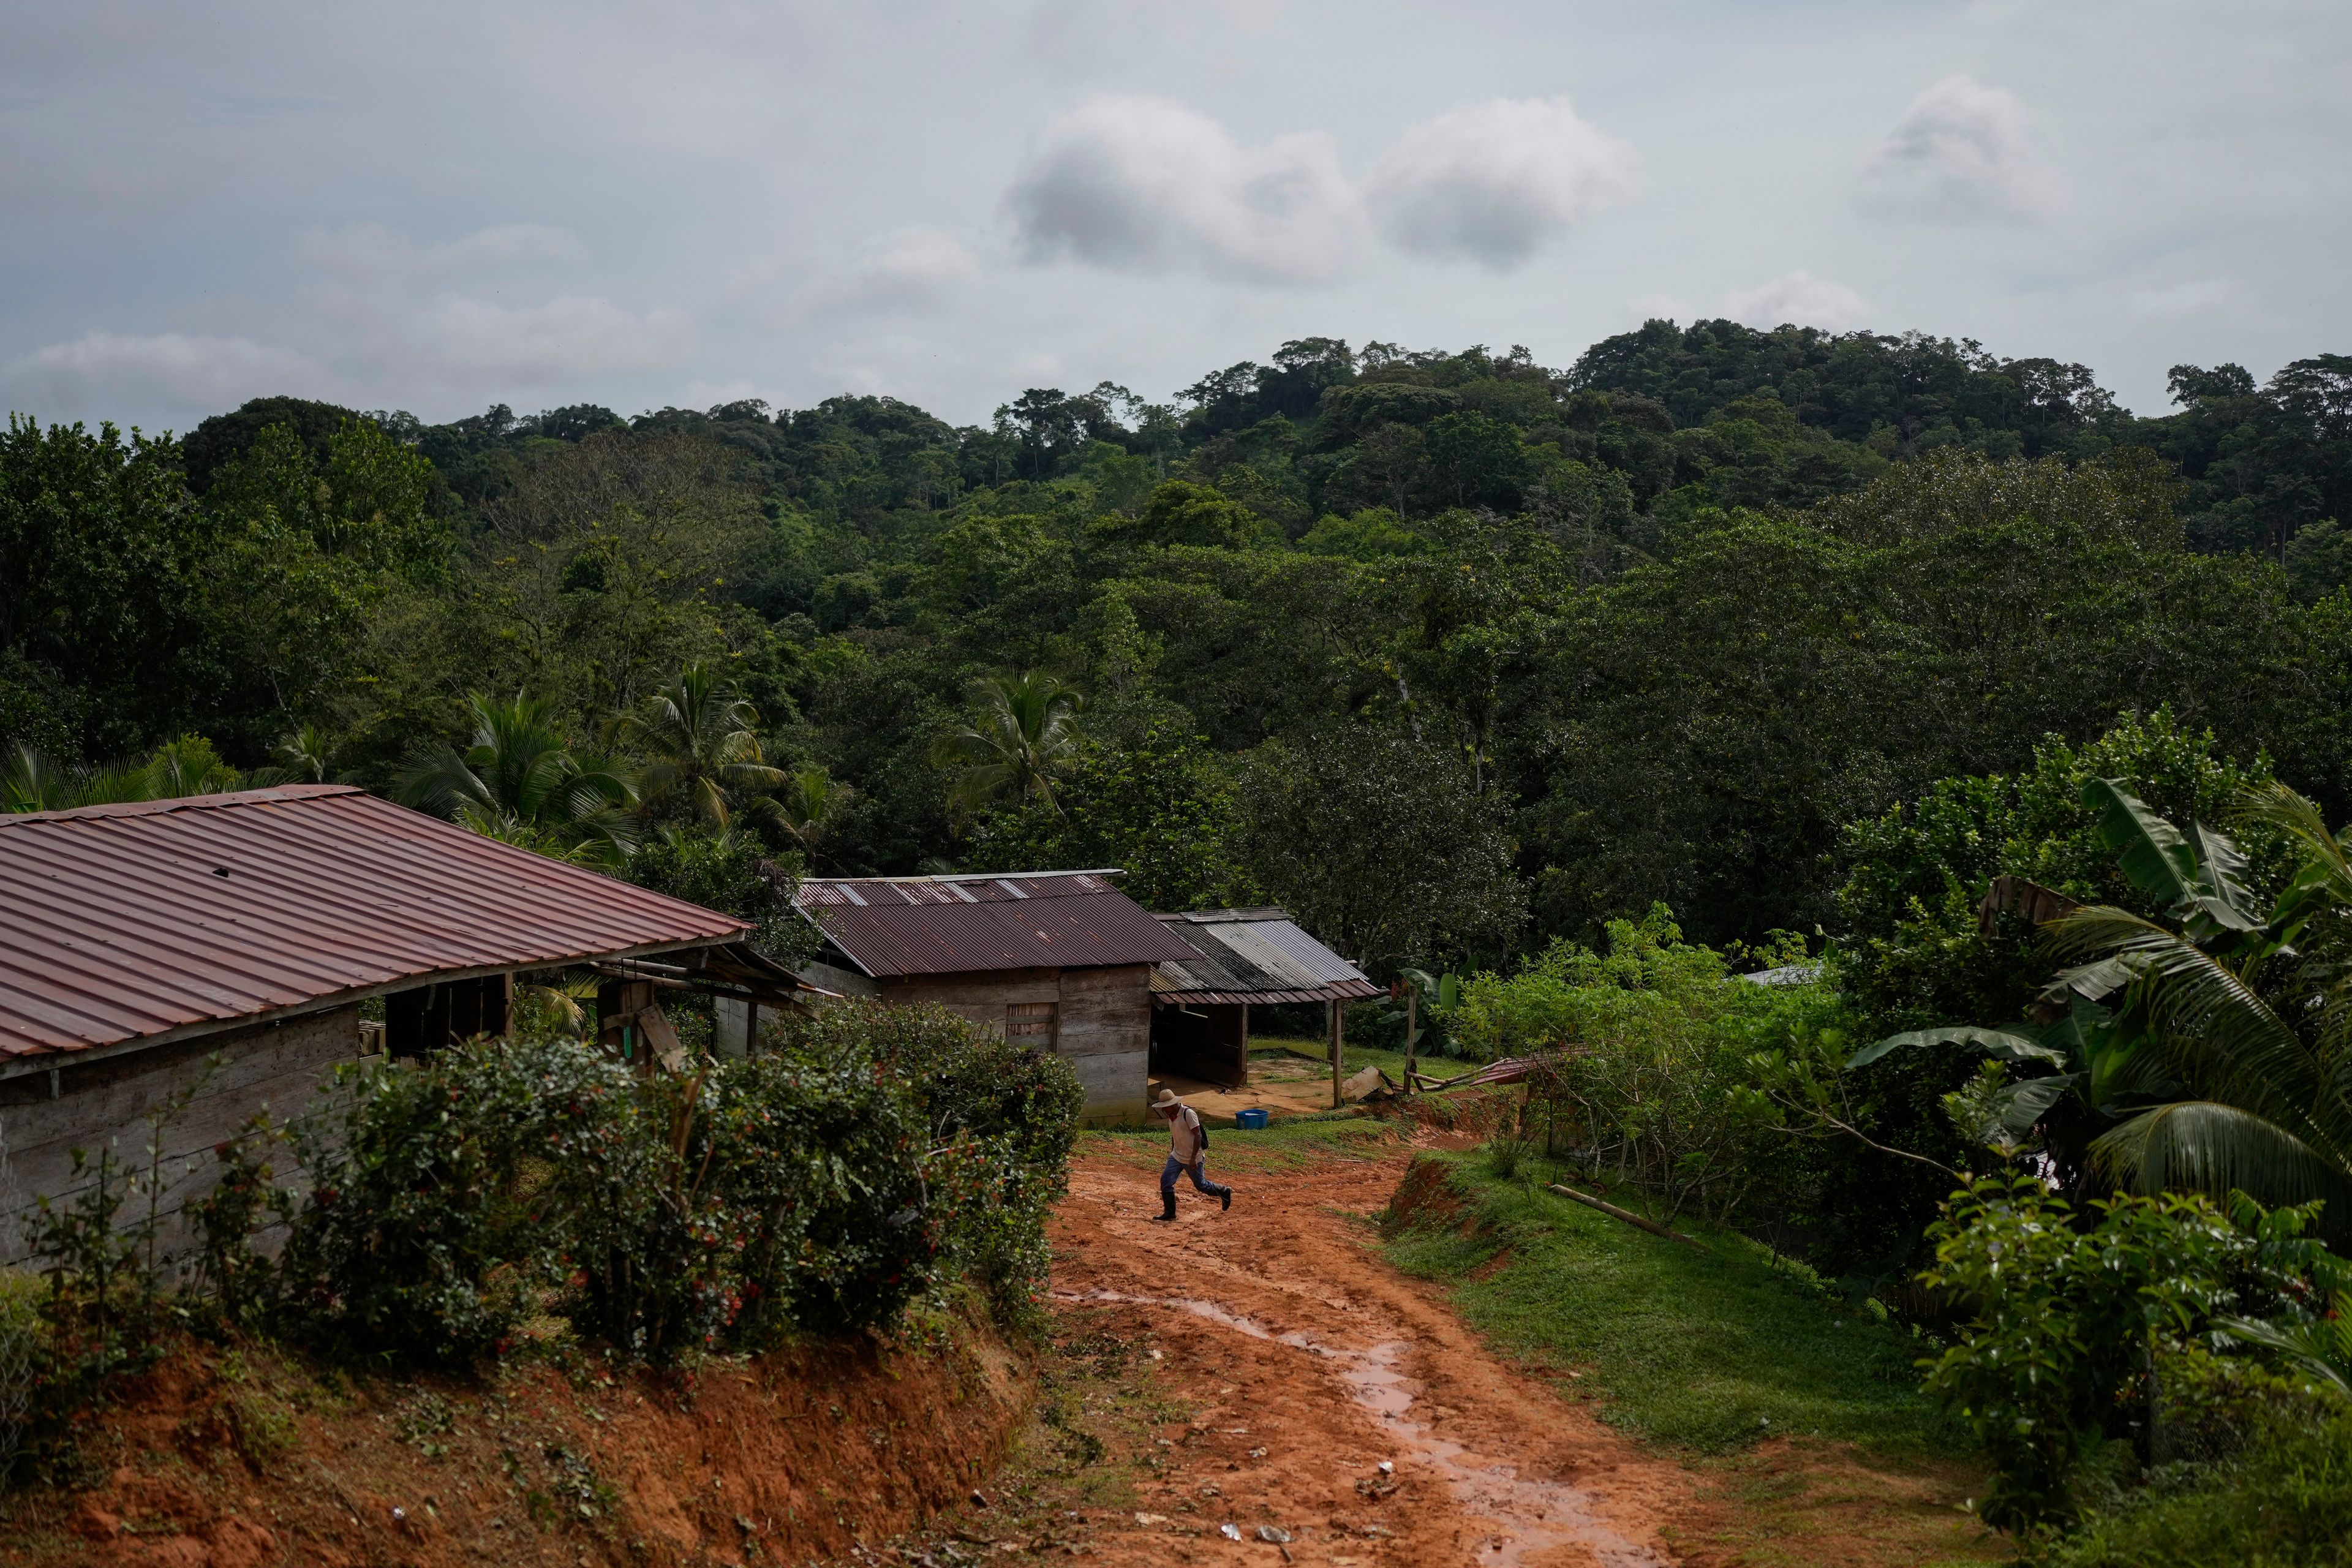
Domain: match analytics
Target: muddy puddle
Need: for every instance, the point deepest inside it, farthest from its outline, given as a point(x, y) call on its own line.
point(1529, 1518)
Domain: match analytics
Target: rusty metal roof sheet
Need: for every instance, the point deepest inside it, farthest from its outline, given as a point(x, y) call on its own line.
point(1253, 956)
point(948, 925)
point(165, 919)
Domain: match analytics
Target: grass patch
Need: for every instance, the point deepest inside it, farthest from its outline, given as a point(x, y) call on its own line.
point(1709, 1351)
point(1291, 1144)
point(1361, 1056)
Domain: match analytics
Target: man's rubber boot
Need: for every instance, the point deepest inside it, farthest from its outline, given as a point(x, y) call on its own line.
point(1168, 1199)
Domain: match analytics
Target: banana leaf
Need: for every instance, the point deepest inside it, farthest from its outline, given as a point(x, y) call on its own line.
point(2009, 1045)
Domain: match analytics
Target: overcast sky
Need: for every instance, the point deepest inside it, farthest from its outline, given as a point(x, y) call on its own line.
point(437, 207)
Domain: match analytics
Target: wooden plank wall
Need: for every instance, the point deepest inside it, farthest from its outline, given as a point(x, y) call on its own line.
point(1103, 1022)
point(1105, 1031)
point(103, 1105)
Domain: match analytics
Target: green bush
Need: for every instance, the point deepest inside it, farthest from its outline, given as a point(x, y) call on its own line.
point(2285, 1501)
point(1000, 1119)
point(878, 1155)
point(440, 1203)
point(2078, 1324)
point(1648, 1061)
point(1916, 876)
point(816, 1184)
point(22, 1362)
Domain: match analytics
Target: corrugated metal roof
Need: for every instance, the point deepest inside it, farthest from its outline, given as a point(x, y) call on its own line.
point(169, 918)
point(951, 925)
point(1253, 956)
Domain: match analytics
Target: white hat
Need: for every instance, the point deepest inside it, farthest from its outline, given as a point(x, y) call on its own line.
point(1167, 1097)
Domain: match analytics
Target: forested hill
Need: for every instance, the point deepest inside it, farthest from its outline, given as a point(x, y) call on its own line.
point(1539, 645)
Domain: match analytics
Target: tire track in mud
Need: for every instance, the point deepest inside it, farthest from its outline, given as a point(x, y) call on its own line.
point(1315, 1361)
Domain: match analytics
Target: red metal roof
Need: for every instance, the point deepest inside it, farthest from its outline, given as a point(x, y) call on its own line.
point(170, 918)
point(952, 926)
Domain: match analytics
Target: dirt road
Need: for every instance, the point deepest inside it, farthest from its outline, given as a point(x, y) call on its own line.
point(1314, 1365)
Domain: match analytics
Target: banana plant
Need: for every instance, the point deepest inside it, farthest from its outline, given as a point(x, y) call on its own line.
point(2210, 1050)
point(2085, 1058)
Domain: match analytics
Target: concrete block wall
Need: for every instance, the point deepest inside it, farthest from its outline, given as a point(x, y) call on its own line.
point(1102, 1021)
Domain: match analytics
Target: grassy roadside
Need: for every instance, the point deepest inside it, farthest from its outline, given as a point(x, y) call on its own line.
point(1361, 1056)
point(1707, 1352)
point(1799, 1415)
point(1288, 1145)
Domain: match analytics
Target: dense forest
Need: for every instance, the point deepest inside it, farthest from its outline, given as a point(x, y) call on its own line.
point(1452, 651)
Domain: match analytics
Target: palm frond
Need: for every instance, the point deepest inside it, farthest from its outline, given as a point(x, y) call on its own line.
point(440, 781)
point(2323, 883)
point(304, 753)
point(2204, 1146)
point(2211, 1026)
point(2322, 1350)
point(701, 738)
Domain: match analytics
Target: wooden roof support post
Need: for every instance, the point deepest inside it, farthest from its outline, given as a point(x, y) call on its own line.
point(1411, 1032)
point(1339, 1048)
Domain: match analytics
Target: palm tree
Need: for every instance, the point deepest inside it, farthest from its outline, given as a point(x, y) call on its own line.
point(517, 780)
point(303, 756)
point(184, 767)
point(809, 806)
point(35, 781)
point(2225, 1060)
point(1022, 730)
point(704, 745)
point(32, 780)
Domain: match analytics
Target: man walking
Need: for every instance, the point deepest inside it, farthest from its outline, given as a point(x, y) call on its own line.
point(1188, 1153)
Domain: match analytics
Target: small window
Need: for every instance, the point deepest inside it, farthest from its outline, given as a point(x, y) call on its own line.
point(1030, 1023)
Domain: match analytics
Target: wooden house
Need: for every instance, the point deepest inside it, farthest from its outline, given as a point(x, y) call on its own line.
point(1060, 959)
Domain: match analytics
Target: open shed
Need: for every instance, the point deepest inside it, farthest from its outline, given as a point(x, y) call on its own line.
point(143, 941)
point(1060, 959)
point(1239, 959)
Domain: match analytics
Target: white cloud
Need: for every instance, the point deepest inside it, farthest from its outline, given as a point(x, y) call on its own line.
point(460, 339)
point(913, 267)
point(1493, 182)
point(1798, 299)
point(1960, 154)
point(171, 371)
point(919, 261)
point(374, 249)
point(2184, 301)
point(1143, 184)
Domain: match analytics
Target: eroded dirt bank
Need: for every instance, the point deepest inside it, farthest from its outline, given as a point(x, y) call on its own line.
point(227, 1460)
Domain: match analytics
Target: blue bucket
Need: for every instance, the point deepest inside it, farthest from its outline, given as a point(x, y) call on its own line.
point(1254, 1117)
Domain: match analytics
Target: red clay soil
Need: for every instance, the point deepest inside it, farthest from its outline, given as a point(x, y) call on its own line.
point(1311, 1363)
point(233, 1461)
